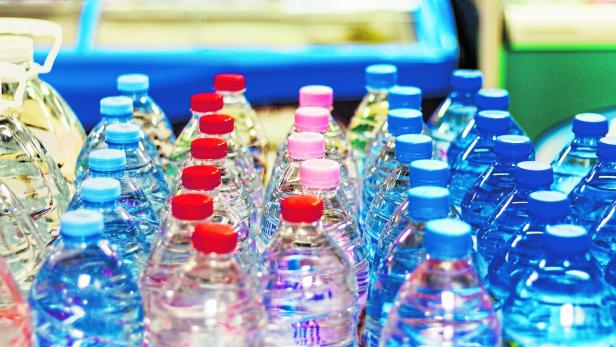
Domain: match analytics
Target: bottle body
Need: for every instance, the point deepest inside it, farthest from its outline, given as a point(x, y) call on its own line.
point(573, 163)
point(594, 193)
point(368, 118)
point(376, 174)
point(449, 120)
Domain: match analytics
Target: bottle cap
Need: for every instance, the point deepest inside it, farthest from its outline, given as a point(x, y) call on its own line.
point(81, 223)
point(116, 106)
point(492, 99)
point(107, 160)
point(548, 204)
point(404, 97)
point(411, 147)
point(429, 172)
point(208, 148)
point(466, 80)
point(122, 133)
point(606, 148)
point(16, 49)
point(381, 76)
point(447, 238)
point(513, 146)
point(493, 122)
point(134, 82)
point(216, 124)
point(214, 238)
point(404, 121)
point(319, 174)
point(534, 173)
point(192, 206)
point(229, 82)
point(566, 238)
point(206, 102)
point(316, 96)
point(312, 119)
point(100, 189)
point(301, 209)
point(590, 124)
point(306, 145)
point(201, 177)
point(428, 202)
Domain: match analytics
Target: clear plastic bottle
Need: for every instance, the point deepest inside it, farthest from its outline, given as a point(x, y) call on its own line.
point(497, 181)
point(563, 300)
point(15, 323)
point(450, 118)
point(308, 284)
point(84, 294)
point(442, 302)
point(320, 96)
point(603, 234)
point(211, 301)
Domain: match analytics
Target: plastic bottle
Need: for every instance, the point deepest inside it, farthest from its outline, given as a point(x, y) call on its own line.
point(307, 282)
point(211, 301)
point(15, 323)
point(563, 300)
point(320, 96)
point(442, 302)
point(511, 214)
point(393, 191)
point(479, 155)
point(603, 234)
point(497, 181)
point(450, 118)
point(84, 294)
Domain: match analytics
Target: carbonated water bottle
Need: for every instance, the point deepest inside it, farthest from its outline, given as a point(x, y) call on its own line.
point(603, 234)
point(211, 301)
point(496, 182)
point(15, 323)
point(308, 284)
point(84, 294)
point(442, 302)
point(563, 300)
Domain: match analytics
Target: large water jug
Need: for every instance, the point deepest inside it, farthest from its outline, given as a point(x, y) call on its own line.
point(15, 323)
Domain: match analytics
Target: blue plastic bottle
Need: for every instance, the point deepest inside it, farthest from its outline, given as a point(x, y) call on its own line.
point(442, 302)
point(497, 181)
point(603, 234)
point(577, 158)
point(511, 214)
point(563, 300)
point(84, 294)
point(393, 191)
point(479, 154)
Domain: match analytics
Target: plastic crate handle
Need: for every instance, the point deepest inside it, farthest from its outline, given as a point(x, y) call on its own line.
point(11, 72)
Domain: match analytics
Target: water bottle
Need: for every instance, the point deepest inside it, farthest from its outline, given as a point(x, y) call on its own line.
point(563, 300)
point(610, 274)
point(248, 126)
point(400, 254)
point(603, 234)
point(442, 302)
point(84, 294)
point(210, 301)
point(320, 96)
point(450, 118)
point(139, 166)
point(307, 282)
point(114, 110)
point(393, 191)
point(15, 323)
point(497, 181)
point(479, 155)
point(511, 214)
point(372, 111)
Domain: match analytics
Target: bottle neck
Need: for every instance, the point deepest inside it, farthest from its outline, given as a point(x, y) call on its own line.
point(606, 166)
point(213, 193)
point(219, 163)
point(299, 231)
point(541, 221)
point(113, 174)
point(100, 205)
point(226, 137)
point(198, 115)
point(107, 119)
point(135, 95)
point(568, 259)
point(462, 97)
point(123, 146)
point(80, 242)
point(377, 92)
point(320, 193)
point(529, 187)
point(237, 97)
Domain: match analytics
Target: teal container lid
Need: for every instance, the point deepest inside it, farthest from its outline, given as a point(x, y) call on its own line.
point(81, 223)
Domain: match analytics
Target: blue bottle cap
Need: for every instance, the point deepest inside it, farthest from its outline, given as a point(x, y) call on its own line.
point(381, 76)
point(429, 172)
point(493, 121)
point(134, 82)
point(566, 238)
point(411, 147)
point(404, 97)
point(492, 99)
point(122, 133)
point(107, 160)
point(534, 173)
point(81, 223)
point(590, 124)
point(116, 106)
point(513, 147)
point(447, 238)
point(548, 204)
point(404, 121)
point(466, 80)
point(428, 202)
point(606, 148)
point(100, 189)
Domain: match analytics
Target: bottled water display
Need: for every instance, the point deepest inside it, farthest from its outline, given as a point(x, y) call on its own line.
point(15, 323)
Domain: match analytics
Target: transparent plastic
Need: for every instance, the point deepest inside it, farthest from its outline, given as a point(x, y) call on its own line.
point(15, 323)
point(595, 192)
point(573, 163)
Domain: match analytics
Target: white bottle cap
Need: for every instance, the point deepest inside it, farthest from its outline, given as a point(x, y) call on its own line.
point(16, 49)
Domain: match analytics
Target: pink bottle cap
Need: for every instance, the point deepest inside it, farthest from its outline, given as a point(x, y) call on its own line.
point(316, 96)
point(308, 145)
point(319, 174)
point(312, 119)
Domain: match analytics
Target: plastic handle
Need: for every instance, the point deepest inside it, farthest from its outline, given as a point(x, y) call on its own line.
point(35, 28)
point(13, 72)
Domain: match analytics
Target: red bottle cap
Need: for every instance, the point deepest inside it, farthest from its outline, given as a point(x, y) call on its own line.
point(201, 177)
point(192, 206)
point(216, 124)
point(206, 102)
point(301, 209)
point(208, 148)
point(214, 238)
point(229, 82)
